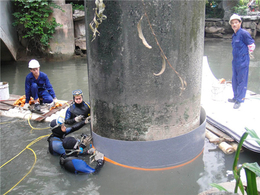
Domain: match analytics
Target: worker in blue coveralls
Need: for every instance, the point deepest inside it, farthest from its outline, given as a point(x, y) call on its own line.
point(79, 110)
point(72, 162)
point(59, 131)
point(38, 86)
point(243, 46)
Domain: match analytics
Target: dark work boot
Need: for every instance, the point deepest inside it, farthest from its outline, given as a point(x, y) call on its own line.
point(37, 107)
point(232, 100)
point(236, 105)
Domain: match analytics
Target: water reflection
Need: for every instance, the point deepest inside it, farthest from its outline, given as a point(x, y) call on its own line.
point(48, 177)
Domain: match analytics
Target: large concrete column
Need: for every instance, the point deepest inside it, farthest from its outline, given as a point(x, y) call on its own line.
point(128, 101)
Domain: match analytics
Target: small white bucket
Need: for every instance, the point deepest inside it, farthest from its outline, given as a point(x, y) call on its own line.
point(4, 91)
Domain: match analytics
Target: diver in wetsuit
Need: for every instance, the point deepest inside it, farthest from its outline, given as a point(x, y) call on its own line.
point(69, 148)
point(73, 163)
point(59, 131)
point(79, 110)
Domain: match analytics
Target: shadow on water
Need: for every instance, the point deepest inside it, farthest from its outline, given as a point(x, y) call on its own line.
point(48, 177)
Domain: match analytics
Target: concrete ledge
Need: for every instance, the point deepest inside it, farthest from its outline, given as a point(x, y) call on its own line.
point(154, 154)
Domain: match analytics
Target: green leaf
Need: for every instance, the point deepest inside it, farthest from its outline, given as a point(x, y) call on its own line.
point(251, 182)
point(219, 187)
point(254, 135)
point(254, 167)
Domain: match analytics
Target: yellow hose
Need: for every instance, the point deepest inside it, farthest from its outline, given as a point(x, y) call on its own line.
point(35, 159)
point(33, 128)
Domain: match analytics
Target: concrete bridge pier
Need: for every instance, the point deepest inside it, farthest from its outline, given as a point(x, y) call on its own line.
point(129, 102)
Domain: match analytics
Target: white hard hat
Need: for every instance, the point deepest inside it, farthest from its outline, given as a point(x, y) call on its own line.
point(33, 64)
point(234, 17)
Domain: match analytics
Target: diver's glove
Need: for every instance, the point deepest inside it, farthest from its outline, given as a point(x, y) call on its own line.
point(78, 118)
point(87, 120)
point(99, 157)
point(91, 151)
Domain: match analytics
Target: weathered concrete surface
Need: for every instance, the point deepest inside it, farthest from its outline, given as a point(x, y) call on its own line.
point(62, 44)
point(128, 101)
point(227, 6)
point(79, 29)
point(8, 34)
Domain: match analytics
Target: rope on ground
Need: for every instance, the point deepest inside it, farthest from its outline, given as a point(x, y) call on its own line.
point(35, 159)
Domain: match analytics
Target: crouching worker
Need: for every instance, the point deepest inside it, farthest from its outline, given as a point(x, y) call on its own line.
point(59, 131)
point(72, 163)
point(38, 86)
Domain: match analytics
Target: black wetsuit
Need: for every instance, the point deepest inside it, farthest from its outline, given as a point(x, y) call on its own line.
point(55, 139)
point(75, 110)
point(77, 165)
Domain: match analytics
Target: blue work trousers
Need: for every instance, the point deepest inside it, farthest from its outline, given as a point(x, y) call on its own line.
point(38, 93)
point(239, 81)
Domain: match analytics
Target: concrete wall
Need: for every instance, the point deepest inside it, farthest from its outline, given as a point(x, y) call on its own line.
point(227, 5)
point(62, 44)
point(220, 28)
point(8, 35)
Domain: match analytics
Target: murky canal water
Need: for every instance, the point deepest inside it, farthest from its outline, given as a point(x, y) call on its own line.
point(47, 177)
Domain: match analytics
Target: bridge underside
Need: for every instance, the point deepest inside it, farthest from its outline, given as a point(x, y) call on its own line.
point(6, 55)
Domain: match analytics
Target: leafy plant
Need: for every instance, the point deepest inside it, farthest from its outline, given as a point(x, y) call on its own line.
point(240, 9)
point(213, 10)
point(33, 22)
point(252, 169)
point(77, 7)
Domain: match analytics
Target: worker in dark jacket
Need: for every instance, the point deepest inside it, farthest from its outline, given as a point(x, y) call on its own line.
point(79, 110)
point(38, 86)
point(59, 131)
point(243, 46)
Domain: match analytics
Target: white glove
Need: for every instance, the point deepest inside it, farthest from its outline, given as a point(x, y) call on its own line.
point(26, 106)
point(251, 48)
point(55, 100)
point(78, 118)
point(99, 156)
point(87, 120)
point(91, 151)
